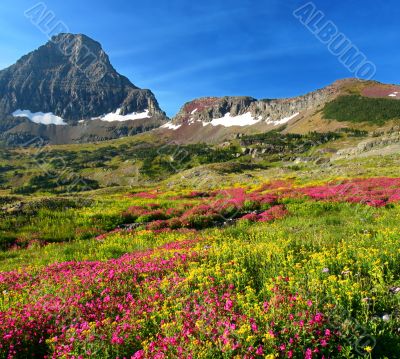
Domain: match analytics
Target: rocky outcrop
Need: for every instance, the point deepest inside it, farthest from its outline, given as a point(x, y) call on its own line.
point(369, 145)
point(217, 119)
point(207, 108)
point(267, 110)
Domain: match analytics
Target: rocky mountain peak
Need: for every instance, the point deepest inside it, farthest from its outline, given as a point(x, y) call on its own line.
point(86, 55)
point(71, 76)
point(68, 91)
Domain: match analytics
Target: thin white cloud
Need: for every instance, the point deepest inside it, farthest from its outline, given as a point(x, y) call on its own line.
point(221, 61)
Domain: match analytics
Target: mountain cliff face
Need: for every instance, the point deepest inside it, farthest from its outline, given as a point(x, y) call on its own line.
point(71, 79)
point(215, 119)
point(269, 111)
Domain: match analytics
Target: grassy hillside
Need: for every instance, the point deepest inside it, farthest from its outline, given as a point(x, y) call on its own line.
point(358, 109)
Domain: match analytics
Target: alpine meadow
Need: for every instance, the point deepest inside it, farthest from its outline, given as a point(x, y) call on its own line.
point(240, 200)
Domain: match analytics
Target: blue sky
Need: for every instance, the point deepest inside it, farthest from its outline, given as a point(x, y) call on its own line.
point(183, 49)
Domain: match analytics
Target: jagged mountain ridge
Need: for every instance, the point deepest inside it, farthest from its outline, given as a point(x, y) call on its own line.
point(215, 119)
point(70, 79)
point(207, 109)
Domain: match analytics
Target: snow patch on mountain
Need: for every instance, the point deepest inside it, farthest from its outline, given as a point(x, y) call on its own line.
point(117, 117)
point(246, 119)
point(282, 120)
point(40, 117)
point(171, 126)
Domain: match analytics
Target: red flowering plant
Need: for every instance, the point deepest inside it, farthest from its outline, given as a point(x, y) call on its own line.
point(219, 320)
point(375, 192)
point(275, 212)
point(80, 309)
point(213, 208)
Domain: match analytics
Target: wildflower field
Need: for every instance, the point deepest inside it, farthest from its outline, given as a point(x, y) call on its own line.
point(277, 270)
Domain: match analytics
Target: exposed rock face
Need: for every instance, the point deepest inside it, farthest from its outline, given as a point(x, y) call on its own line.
point(209, 108)
point(217, 119)
point(370, 145)
point(71, 77)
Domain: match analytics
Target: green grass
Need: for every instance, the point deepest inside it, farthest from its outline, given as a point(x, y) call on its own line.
point(58, 219)
point(113, 246)
point(339, 237)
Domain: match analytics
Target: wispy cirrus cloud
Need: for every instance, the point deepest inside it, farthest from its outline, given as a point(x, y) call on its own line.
point(223, 61)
